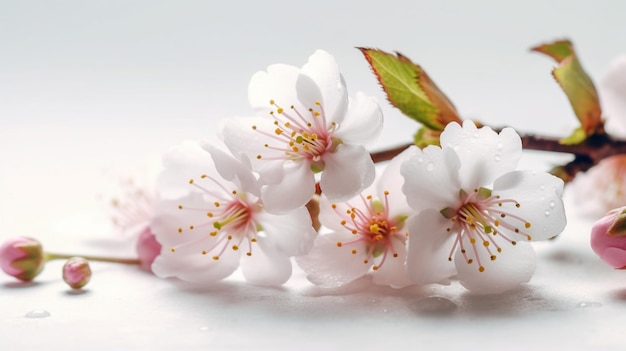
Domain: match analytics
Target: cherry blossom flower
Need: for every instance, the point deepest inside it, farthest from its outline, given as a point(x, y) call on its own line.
point(613, 97)
point(368, 235)
point(211, 220)
point(476, 213)
point(132, 212)
point(307, 125)
point(608, 238)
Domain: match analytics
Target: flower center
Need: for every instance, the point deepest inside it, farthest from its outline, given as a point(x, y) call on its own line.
point(301, 136)
point(481, 217)
point(372, 227)
point(231, 221)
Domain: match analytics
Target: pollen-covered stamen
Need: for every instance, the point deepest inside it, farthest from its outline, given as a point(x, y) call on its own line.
point(229, 220)
point(299, 136)
point(480, 218)
point(373, 228)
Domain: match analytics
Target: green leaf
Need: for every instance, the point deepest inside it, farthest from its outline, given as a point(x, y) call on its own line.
point(618, 228)
point(578, 87)
point(411, 90)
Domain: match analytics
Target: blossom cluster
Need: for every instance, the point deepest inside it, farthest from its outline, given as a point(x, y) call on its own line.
point(456, 210)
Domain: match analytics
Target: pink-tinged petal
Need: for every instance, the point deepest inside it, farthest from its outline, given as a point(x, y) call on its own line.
point(171, 227)
point(323, 70)
point(363, 122)
point(539, 195)
point(234, 171)
point(265, 266)
point(290, 234)
point(429, 249)
point(513, 266)
point(393, 272)
point(347, 171)
point(278, 83)
point(329, 265)
point(613, 97)
point(294, 191)
point(484, 154)
point(431, 178)
point(392, 181)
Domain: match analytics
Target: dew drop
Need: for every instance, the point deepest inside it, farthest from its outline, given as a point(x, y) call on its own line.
point(37, 314)
point(420, 160)
point(547, 213)
point(204, 329)
point(588, 304)
point(434, 305)
point(542, 187)
point(497, 158)
point(499, 146)
point(552, 204)
point(430, 166)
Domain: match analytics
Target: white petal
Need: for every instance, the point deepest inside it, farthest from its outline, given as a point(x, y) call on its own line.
point(246, 143)
point(363, 122)
point(181, 163)
point(328, 265)
point(347, 171)
point(295, 190)
point(429, 248)
point(278, 83)
point(234, 171)
point(515, 265)
point(290, 234)
point(392, 181)
point(484, 154)
point(323, 70)
point(613, 97)
point(393, 272)
point(431, 178)
point(265, 266)
point(539, 195)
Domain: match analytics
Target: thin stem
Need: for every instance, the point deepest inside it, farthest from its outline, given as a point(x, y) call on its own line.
point(55, 256)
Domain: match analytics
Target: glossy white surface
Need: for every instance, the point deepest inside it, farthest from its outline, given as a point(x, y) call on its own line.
point(89, 92)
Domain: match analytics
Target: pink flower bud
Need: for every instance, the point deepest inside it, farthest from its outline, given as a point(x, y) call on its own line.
point(608, 238)
point(148, 248)
point(76, 272)
point(22, 258)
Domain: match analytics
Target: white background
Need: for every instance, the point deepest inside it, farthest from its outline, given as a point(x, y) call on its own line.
point(90, 90)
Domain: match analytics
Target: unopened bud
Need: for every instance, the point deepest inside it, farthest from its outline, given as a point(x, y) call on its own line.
point(608, 238)
point(22, 258)
point(148, 248)
point(76, 272)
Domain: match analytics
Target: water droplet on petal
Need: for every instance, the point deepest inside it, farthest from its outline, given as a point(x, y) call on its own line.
point(37, 314)
point(204, 329)
point(547, 213)
point(434, 305)
point(430, 166)
point(542, 187)
point(552, 204)
point(588, 304)
point(497, 158)
point(420, 160)
point(499, 146)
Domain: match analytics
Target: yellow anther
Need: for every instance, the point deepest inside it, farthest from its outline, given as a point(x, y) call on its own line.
point(339, 244)
point(173, 249)
point(527, 225)
point(216, 258)
point(204, 252)
point(481, 269)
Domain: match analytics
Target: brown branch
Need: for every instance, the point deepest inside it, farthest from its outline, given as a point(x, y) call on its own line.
point(586, 154)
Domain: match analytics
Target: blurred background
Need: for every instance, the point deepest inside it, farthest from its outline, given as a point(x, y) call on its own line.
point(93, 89)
